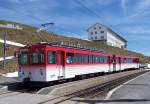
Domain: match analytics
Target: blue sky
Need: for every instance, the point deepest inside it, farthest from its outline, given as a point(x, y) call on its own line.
point(129, 18)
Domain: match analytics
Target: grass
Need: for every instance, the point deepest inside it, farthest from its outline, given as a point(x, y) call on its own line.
point(11, 66)
point(29, 36)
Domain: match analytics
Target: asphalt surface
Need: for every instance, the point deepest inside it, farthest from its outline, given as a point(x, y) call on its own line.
point(136, 91)
point(5, 81)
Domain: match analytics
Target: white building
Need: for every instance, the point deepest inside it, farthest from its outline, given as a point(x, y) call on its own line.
point(102, 33)
point(14, 26)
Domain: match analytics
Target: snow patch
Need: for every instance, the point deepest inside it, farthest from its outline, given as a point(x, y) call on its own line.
point(7, 58)
point(12, 43)
point(13, 74)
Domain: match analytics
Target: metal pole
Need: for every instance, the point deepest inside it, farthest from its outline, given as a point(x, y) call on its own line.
point(4, 48)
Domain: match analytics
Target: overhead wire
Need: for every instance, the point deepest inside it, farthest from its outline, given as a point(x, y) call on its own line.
point(87, 8)
point(58, 27)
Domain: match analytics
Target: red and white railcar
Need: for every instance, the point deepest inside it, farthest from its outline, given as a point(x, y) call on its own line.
point(44, 62)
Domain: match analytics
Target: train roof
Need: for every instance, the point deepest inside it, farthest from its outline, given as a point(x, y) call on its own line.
point(68, 48)
point(63, 47)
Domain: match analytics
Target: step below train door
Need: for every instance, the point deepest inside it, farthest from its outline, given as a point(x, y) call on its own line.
point(61, 64)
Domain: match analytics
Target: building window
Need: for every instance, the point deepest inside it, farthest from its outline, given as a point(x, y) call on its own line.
point(99, 27)
point(122, 46)
point(69, 58)
point(92, 38)
point(102, 31)
point(91, 33)
point(102, 37)
point(95, 32)
point(96, 37)
point(94, 28)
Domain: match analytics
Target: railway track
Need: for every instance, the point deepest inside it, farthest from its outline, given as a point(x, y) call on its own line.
point(96, 90)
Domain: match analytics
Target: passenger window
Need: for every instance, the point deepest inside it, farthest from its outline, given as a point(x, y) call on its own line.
point(69, 58)
point(22, 59)
point(101, 59)
point(97, 59)
point(36, 58)
point(91, 59)
point(94, 57)
point(86, 59)
point(78, 58)
point(51, 57)
point(106, 59)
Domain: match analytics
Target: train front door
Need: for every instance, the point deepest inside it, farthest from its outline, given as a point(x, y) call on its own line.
point(61, 64)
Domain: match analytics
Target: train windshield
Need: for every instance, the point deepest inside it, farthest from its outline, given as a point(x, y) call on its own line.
point(22, 58)
point(36, 58)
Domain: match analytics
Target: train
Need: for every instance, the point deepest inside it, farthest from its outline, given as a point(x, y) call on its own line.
point(45, 62)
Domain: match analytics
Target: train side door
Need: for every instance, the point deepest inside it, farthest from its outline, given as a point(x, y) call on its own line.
point(61, 64)
point(114, 63)
point(119, 63)
point(109, 62)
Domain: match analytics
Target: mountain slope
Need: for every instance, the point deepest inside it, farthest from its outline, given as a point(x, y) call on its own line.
point(29, 36)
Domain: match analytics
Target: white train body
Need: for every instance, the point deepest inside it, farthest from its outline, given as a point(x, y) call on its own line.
point(43, 63)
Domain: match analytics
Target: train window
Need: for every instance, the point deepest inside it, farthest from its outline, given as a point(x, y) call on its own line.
point(85, 59)
point(127, 60)
point(130, 60)
point(105, 59)
point(37, 58)
point(101, 59)
point(22, 59)
point(78, 58)
point(69, 58)
point(96, 59)
point(41, 58)
point(122, 60)
point(51, 57)
point(91, 58)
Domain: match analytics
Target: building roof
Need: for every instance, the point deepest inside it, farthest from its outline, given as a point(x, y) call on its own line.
point(110, 30)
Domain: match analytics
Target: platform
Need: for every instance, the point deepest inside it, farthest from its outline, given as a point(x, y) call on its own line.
point(136, 91)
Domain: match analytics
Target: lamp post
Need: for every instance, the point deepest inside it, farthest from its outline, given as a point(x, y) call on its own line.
point(4, 50)
point(42, 27)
